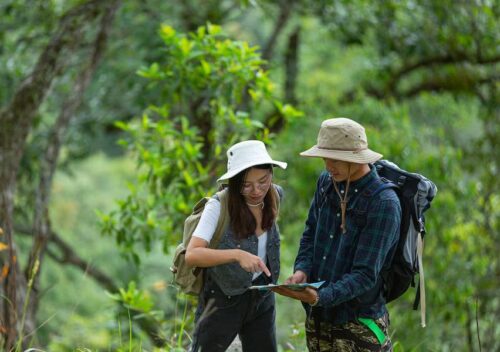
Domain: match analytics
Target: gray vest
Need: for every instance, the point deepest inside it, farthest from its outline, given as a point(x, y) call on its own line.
point(232, 278)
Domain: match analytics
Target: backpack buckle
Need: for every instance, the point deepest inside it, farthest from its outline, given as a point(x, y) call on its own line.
point(401, 180)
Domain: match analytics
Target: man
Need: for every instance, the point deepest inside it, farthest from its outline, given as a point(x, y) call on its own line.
point(349, 239)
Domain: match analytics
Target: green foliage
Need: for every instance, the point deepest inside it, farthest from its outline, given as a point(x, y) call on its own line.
point(418, 45)
point(208, 91)
point(214, 92)
point(132, 298)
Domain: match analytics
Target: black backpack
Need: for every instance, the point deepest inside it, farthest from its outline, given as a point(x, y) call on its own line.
point(415, 193)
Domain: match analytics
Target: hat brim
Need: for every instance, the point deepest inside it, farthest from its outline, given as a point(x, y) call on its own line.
point(236, 171)
point(365, 156)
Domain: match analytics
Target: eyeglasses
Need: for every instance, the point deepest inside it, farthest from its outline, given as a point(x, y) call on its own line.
point(261, 185)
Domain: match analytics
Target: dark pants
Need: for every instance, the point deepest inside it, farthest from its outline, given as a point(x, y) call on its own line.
point(219, 318)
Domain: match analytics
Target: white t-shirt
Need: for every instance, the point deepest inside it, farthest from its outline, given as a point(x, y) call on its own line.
point(208, 222)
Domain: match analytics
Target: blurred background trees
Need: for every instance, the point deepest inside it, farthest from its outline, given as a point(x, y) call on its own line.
point(115, 117)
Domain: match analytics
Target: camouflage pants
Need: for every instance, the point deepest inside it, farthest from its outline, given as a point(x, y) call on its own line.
point(349, 337)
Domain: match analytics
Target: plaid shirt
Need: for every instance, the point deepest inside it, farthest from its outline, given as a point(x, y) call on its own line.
point(350, 263)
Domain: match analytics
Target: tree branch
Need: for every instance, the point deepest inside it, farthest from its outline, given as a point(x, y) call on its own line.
point(437, 60)
point(16, 118)
point(437, 85)
point(68, 256)
point(434, 84)
point(285, 11)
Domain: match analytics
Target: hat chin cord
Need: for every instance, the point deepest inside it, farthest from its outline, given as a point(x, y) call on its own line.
point(344, 199)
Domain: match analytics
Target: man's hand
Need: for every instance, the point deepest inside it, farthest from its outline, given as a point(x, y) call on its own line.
point(308, 295)
point(299, 277)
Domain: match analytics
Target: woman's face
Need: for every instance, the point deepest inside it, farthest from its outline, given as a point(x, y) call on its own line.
point(256, 185)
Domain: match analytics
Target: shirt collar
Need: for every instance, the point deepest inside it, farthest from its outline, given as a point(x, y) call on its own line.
point(363, 181)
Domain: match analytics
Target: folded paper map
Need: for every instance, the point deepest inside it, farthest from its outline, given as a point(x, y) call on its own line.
point(295, 287)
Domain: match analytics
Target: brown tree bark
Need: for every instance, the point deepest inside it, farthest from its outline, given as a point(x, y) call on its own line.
point(275, 121)
point(292, 66)
point(286, 7)
point(16, 120)
point(41, 226)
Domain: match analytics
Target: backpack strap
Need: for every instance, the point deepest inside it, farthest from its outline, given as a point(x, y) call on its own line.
point(421, 280)
point(278, 196)
point(223, 220)
point(385, 184)
point(372, 190)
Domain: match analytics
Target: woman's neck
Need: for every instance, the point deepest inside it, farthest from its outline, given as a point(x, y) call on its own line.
point(257, 205)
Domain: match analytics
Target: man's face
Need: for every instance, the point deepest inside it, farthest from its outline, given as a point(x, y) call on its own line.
point(338, 169)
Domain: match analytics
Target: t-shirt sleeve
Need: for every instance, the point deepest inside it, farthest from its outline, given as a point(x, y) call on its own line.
point(208, 221)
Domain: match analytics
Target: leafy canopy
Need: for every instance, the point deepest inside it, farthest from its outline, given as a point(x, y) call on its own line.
point(214, 92)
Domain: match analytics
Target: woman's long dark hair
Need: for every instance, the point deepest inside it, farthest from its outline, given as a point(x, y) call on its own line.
point(241, 218)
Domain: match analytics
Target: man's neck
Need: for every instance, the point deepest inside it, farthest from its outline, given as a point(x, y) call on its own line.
point(359, 172)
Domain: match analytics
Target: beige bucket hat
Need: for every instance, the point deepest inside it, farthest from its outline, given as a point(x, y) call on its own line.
point(246, 154)
point(343, 139)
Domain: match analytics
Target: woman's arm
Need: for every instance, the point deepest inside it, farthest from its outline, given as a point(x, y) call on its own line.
point(198, 255)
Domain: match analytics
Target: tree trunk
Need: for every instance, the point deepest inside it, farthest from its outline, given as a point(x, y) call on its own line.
point(41, 228)
point(292, 66)
point(16, 120)
point(285, 13)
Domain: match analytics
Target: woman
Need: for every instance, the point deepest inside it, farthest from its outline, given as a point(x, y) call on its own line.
point(247, 254)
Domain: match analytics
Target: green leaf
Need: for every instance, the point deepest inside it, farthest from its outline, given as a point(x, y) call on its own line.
point(167, 32)
point(214, 29)
point(206, 67)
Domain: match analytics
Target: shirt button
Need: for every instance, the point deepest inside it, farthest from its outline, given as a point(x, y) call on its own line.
point(238, 246)
point(228, 297)
point(356, 190)
point(338, 214)
point(212, 291)
point(331, 236)
point(324, 257)
point(319, 279)
point(342, 191)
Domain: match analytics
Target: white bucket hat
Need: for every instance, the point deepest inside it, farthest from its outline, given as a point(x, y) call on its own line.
point(343, 139)
point(246, 154)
